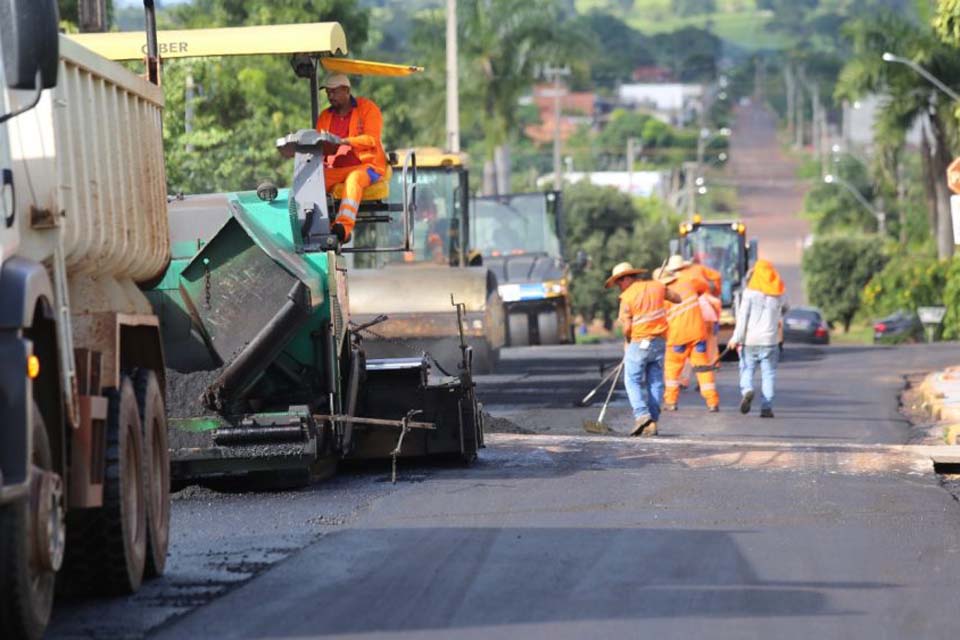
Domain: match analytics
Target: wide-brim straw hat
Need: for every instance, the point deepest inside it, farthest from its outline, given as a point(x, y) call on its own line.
point(622, 270)
point(676, 263)
point(664, 275)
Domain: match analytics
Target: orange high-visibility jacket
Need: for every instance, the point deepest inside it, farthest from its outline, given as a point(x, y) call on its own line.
point(366, 124)
point(643, 312)
point(697, 270)
point(685, 318)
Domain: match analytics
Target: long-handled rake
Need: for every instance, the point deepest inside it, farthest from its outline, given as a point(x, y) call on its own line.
point(586, 400)
point(599, 427)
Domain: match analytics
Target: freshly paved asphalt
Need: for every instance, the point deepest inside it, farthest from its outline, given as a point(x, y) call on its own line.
point(726, 526)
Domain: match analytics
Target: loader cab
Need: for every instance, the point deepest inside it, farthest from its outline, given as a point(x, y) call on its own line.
point(722, 246)
point(440, 223)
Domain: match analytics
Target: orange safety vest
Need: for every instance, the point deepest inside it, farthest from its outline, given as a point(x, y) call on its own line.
point(703, 272)
point(685, 317)
point(366, 124)
point(643, 311)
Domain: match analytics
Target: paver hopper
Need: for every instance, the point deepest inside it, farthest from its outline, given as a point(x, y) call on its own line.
point(266, 373)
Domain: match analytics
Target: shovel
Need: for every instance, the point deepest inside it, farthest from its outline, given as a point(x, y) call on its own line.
point(598, 427)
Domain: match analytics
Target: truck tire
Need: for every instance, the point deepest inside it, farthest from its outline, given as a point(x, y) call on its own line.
point(156, 481)
point(549, 325)
point(107, 547)
point(26, 585)
point(518, 329)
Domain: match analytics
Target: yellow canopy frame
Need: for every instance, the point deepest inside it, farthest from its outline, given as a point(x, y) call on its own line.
point(313, 38)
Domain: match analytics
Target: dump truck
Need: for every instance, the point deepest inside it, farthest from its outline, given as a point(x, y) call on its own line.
point(721, 245)
point(84, 468)
point(267, 378)
point(520, 237)
point(441, 265)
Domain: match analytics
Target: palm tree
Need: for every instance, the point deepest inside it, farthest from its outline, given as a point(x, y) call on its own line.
point(908, 98)
point(503, 43)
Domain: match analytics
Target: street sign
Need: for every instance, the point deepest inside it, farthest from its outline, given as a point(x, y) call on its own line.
point(931, 315)
point(955, 214)
point(953, 175)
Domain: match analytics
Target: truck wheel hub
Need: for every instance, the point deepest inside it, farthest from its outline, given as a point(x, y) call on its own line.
point(48, 530)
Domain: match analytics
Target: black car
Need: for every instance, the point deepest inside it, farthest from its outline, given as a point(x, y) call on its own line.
point(806, 324)
point(902, 326)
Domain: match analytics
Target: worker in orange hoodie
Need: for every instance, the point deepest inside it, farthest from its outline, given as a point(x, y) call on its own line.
point(360, 161)
point(710, 304)
point(757, 334)
point(687, 340)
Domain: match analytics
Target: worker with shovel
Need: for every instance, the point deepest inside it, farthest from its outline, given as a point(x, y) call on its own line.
point(687, 340)
point(643, 317)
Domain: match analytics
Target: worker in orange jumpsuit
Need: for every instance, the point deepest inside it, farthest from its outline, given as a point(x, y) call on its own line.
point(686, 340)
point(710, 303)
point(360, 161)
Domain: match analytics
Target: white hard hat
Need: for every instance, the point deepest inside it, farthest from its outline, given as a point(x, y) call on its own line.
point(336, 80)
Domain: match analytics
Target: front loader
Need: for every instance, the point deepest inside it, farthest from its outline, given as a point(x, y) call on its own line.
point(266, 373)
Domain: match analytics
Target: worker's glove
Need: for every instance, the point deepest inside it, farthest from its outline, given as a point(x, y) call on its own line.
point(341, 232)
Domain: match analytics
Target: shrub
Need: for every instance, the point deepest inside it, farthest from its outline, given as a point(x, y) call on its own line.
point(836, 270)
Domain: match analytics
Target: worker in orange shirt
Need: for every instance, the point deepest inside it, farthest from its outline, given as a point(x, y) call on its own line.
point(643, 317)
point(686, 340)
point(360, 161)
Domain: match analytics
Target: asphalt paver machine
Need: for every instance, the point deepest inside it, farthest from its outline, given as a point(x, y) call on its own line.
point(266, 373)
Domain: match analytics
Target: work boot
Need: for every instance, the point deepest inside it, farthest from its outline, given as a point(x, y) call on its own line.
point(669, 407)
point(650, 430)
point(766, 413)
point(639, 424)
point(746, 402)
point(341, 232)
point(714, 409)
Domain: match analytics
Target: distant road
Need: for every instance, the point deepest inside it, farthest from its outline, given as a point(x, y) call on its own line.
point(769, 194)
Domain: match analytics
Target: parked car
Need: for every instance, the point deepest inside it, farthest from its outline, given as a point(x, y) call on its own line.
point(806, 324)
point(902, 326)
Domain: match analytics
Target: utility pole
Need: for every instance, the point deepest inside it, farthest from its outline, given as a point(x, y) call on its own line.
point(799, 109)
point(791, 82)
point(555, 73)
point(634, 145)
point(815, 121)
point(453, 80)
point(92, 15)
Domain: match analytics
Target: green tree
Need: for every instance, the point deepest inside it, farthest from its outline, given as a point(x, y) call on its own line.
point(611, 227)
point(836, 269)
point(240, 104)
point(910, 97)
point(908, 281)
point(693, 7)
point(504, 44)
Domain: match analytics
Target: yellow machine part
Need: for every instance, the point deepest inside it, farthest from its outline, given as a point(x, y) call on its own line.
point(315, 37)
point(379, 190)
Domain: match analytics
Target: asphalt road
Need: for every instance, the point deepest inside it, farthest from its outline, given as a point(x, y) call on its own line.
point(726, 526)
point(819, 523)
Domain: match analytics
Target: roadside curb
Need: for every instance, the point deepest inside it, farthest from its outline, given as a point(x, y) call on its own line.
point(940, 397)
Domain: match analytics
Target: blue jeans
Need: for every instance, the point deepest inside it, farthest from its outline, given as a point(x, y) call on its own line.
point(643, 377)
point(767, 358)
